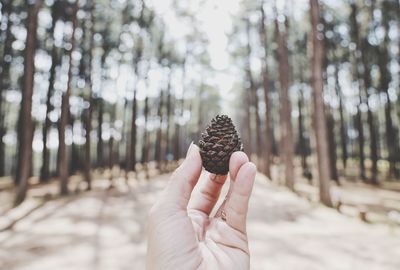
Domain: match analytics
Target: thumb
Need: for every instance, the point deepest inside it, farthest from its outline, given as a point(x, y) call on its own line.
point(184, 178)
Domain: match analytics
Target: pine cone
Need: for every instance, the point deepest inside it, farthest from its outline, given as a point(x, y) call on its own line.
point(217, 144)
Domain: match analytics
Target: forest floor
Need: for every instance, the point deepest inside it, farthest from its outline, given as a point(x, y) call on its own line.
point(106, 229)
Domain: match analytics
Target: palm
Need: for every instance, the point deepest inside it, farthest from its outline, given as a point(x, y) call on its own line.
point(182, 232)
point(213, 235)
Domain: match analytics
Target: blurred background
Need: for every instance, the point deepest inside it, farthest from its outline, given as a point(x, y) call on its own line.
point(100, 99)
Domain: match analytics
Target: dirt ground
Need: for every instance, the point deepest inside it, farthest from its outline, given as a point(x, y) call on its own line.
point(106, 229)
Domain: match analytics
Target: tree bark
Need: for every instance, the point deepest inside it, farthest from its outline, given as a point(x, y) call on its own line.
point(131, 166)
point(44, 172)
point(100, 143)
point(343, 133)
point(63, 167)
point(286, 131)
point(169, 125)
point(370, 117)
point(253, 97)
point(265, 78)
point(332, 147)
point(361, 85)
point(158, 143)
point(318, 105)
point(25, 117)
point(145, 144)
point(5, 61)
point(111, 146)
point(303, 149)
point(392, 143)
point(89, 113)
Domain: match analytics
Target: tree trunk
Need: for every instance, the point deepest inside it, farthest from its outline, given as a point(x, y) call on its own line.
point(44, 172)
point(5, 61)
point(370, 117)
point(145, 144)
point(332, 147)
point(360, 129)
point(89, 113)
point(25, 117)
point(158, 143)
point(253, 97)
point(361, 85)
point(111, 153)
point(131, 166)
point(383, 63)
point(131, 151)
point(302, 140)
point(286, 131)
point(318, 104)
point(265, 78)
point(343, 133)
point(100, 143)
point(63, 167)
point(169, 106)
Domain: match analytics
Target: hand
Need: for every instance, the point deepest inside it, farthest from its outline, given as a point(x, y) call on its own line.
point(181, 232)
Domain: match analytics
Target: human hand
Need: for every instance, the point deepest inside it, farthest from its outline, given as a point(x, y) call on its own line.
point(181, 232)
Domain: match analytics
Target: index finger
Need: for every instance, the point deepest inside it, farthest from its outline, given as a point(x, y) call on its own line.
point(238, 203)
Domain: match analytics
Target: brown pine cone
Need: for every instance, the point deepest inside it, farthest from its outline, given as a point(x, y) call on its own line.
point(217, 144)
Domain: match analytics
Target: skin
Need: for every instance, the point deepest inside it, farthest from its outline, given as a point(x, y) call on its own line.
point(181, 232)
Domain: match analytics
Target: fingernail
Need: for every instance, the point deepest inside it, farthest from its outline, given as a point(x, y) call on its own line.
point(190, 149)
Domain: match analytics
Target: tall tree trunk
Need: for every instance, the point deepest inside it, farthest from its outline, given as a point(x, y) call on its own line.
point(74, 159)
point(131, 161)
point(111, 151)
point(343, 133)
point(370, 116)
point(181, 131)
point(44, 172)
point(285, 113)
point(392, 143)
point(158, 143)
point(332, 146)
point(100, 143)
point(265, 78)
point(25, 117)
point(131, 166)
point(169, 107)
point(5, 61)
point(319, 111)
point(360, 129)
point(125, 134)
point(357, 71)
point(63, 167)
point(178, 130)
point(89, 113)
point(302, 140)
point(145, 144)
point(253, 97)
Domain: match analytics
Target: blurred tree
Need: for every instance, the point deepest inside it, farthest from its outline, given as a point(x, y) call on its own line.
point(265, 78)
point(56, 12)
point(318, 105)
point(5, 60)
point(392, 141)
point(65, 112)
point(360, 83)
point(25, 119)
point(286, 131)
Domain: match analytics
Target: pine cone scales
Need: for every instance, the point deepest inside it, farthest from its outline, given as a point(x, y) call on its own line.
point(217, 144)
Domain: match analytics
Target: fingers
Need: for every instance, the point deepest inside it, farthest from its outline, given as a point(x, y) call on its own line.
point(184, 179)
point(206, 196)
point(236, 161)
point(238, 202)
